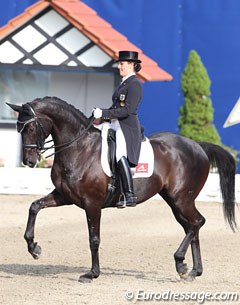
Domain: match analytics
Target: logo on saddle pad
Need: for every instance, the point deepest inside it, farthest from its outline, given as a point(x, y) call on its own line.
point(142, 168)
point(145, 165)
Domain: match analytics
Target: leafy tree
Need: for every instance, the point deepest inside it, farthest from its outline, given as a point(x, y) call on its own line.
point(196, 114)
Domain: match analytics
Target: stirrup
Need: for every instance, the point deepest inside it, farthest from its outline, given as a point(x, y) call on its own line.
point(121, 204)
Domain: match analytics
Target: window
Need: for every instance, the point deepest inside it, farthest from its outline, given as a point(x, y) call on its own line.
point(83, 90)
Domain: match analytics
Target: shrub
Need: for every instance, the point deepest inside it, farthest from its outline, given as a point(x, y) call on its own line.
point(196, 114)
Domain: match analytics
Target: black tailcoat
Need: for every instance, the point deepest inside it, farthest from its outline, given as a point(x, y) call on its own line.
point(126, 99)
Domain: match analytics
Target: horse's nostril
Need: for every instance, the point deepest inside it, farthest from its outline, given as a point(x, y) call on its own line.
point(30, 163)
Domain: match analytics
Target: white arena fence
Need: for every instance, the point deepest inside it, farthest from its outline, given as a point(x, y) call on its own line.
point(37, 181)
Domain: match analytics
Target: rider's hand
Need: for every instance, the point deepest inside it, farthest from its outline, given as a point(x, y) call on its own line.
point(97, 113)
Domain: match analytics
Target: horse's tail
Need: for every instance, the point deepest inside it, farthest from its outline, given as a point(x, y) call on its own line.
point(226, 166)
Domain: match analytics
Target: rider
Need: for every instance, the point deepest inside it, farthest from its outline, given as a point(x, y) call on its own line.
point(124, 120)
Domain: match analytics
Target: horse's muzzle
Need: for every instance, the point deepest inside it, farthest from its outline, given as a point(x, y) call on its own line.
point(31, 157)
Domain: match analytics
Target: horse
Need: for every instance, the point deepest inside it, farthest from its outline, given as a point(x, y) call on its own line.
point(181, 168)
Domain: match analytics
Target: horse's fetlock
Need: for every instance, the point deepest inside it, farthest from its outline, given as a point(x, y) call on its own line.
point(179, 257)
point(28, 237)
point(31, 247)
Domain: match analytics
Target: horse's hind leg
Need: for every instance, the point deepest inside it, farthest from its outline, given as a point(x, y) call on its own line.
point(197, 260)
point(52, 200)
point(191, 221)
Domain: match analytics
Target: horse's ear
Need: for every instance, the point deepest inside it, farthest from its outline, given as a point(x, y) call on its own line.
point(16, 108)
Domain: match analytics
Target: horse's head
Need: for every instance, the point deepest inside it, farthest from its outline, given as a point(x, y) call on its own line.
point(33, 130)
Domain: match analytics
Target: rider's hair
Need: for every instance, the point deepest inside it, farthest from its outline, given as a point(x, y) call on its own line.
point(137, 67)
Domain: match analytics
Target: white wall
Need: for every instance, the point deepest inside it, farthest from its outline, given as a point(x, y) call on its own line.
point(37, 181)
point(10, 148)
point(84, 91)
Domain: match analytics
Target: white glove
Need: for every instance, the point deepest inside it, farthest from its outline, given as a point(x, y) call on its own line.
point(97, 113)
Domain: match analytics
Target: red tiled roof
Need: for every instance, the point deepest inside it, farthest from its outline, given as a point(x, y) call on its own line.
point(95, 28)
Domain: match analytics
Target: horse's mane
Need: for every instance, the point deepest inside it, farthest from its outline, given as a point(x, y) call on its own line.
point(58, 106)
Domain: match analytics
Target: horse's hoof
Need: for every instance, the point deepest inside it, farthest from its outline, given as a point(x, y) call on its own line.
point(190, 278)
point(192, 275)
point(182, 270)
point(88, 277)
point(36, 253)
point(84, 280)
point(183, 276)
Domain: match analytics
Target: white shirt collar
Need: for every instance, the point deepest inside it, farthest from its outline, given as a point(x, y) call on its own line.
point(127, 76)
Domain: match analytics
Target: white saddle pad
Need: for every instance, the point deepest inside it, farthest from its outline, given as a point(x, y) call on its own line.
point(145, 165)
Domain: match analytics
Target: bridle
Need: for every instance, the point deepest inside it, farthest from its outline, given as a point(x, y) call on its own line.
point(42, 135)
point(39, 129)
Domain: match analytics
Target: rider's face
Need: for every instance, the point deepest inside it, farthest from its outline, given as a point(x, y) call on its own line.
point(125, 68)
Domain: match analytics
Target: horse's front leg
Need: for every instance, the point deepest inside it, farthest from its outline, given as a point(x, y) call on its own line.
point(51, 200)
point(93, 215)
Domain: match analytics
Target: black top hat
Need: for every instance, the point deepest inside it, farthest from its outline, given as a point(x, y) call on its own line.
point(128, 56)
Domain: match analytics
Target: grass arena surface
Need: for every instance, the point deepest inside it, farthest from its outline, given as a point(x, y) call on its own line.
point(136, 256)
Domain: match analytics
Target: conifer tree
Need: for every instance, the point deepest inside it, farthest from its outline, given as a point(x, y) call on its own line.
point(196, 114)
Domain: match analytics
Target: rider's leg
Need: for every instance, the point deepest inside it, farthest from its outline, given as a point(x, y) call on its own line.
point(127, 184)
point(124, 168)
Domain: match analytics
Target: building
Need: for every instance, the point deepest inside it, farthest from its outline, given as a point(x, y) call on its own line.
point(60, 48)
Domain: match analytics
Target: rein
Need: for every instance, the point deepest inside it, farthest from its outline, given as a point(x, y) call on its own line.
point(67, 144)
point(40, 145)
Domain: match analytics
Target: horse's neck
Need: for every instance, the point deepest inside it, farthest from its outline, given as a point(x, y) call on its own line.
point(64, 132)
point(74, 144)
point(65, 125)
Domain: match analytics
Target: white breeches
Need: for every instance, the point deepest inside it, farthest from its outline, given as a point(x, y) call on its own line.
point(121, 148)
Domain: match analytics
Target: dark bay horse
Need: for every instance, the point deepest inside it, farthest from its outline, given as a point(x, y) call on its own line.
point(181, 168)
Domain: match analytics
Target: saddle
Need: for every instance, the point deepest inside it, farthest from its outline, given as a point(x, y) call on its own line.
point(111, 140)
point(144, 169)
point(114, 184)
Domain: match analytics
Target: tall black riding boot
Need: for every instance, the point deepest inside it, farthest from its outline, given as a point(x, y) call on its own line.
point(127, 184)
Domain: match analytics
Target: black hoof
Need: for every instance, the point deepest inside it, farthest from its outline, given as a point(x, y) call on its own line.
point(190, 278)
point(193, 274)
point(187, 277)
point(88, 277)
point(83, 279)
point(36, 252)
point(182, 271)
